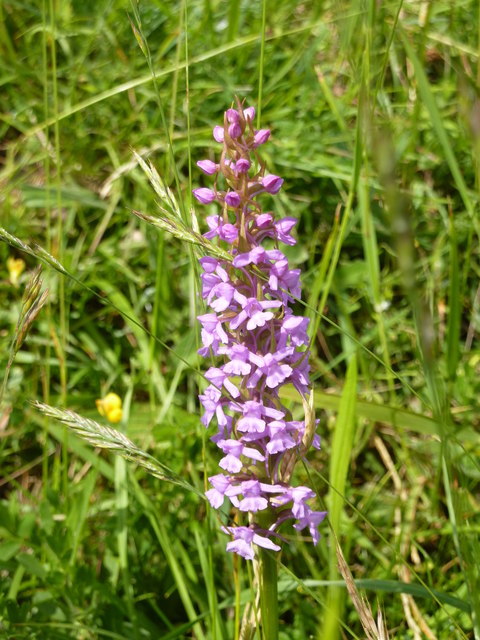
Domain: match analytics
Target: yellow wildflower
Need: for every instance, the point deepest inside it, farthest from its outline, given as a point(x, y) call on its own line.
point(15, 268)
point(111, 407)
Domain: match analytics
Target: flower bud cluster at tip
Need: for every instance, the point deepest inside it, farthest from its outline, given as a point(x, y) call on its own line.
point(262, 345)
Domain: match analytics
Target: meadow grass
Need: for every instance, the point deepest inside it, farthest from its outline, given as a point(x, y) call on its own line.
point(374, 110)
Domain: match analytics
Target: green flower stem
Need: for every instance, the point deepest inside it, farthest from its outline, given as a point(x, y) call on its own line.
point(268, 578)
point(269, 594)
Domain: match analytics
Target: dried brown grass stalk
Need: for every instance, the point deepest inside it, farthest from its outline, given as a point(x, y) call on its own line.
point(373, 630)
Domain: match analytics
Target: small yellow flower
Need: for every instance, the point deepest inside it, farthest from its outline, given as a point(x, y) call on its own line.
point(111, 407)
point(15, 268)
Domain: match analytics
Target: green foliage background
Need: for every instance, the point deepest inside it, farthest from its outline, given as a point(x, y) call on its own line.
point(375, 117)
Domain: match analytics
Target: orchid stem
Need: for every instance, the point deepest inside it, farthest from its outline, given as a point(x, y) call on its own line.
point(269, 594)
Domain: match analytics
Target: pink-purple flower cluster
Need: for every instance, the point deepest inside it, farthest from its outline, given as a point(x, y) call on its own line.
point(261, 343)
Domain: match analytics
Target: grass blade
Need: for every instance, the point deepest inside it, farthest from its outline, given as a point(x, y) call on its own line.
point(342, 444)
point(436, 119)
point(454, 310)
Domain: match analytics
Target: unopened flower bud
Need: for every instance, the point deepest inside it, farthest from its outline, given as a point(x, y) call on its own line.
point(249, 113)
point(232, 116)
point(207, 166)
point(228, 232)
point(242, 165)
point(272, 184)
point(261, 137)
point(235, 130)
point(204, 196)
point(233, 199)
point(218, 134)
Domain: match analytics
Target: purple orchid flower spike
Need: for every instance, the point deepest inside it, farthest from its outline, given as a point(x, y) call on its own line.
point(263, 346)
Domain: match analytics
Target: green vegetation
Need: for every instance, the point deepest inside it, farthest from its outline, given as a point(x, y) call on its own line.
point(375, 115)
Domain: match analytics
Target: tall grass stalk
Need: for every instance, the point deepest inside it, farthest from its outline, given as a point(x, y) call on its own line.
point(46, 84)
point(60, 338)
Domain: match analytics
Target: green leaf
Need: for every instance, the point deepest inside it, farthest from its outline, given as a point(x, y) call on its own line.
point(454, 307)
point(32, 565)
point(342, 444)
point(8, 550)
